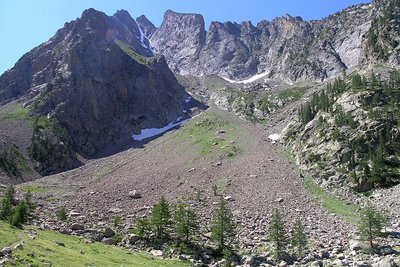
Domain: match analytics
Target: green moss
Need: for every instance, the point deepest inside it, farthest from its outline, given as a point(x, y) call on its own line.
point(331, 203)
point(75, 253)
point(16, 112)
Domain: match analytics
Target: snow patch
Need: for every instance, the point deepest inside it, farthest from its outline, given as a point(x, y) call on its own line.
point(274, 137)
point(142, 40)
point(151, 132)
point(250, 80)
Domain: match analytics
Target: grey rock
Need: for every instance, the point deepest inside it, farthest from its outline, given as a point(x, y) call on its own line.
point(135, 194)
point(132, 239)
point(109, 241)
point(6, 251)
point(156, 253)
point(19, 246)
point(385, 262)
point(386, 250)
point(77, 227)
point(108, 232)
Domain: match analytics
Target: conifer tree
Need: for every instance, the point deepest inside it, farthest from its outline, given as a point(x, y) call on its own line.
point(160, 219)
point(370, 225)
point(223, 229)
point(6, 206)
point(20, 214)
point(277, 234)
point(299, 238)
point(143, 228)
point(185, 223)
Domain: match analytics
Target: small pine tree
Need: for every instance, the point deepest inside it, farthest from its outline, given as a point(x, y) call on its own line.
point(29, 202)
point(6, 207)
point(62, 214)
point(277, 234)
point(143, 228)
point(20, 214)
point(299, 238)
point(223, 229)
point(185, 223)
point(160, 219)
point(370, 225)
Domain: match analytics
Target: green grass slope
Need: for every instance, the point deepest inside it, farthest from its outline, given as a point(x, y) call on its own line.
point(44, 249)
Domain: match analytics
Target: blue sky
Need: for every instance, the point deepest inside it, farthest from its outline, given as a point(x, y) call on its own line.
point(25, 24)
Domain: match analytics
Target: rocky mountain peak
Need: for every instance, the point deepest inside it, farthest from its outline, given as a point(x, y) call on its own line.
point(91, 13)
point(286, 47)
point(123, 15)
point(146, 25)
point(180, 38)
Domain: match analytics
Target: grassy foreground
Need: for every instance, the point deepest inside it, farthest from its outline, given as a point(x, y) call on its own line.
point(45, 249)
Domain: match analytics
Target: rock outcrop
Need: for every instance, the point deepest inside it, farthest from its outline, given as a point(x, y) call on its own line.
point(146, 25)
point(180, 39)
point(382, 41)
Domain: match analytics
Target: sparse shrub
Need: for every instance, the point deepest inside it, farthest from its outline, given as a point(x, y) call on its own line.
point(117, 221)
point(118, 238)
point(62, 214)
point(215, 190)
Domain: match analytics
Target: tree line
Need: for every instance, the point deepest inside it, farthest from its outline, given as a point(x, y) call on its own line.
point(180, 224)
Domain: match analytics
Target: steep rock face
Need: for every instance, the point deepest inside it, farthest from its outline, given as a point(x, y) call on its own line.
point(146, 25)
point(180, 39)
point(382, 41)
point(97, 78)
point(287, 48)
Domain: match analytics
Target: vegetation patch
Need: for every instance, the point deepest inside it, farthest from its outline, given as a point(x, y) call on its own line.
point(75, 252)
point(331, 203)
point(16, 112)
point(131, 53)
point(33, 189)
point(211, 135)
point(12, 161)
point(292, 94)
